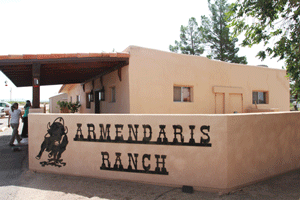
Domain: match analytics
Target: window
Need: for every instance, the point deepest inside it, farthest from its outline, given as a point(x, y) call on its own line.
point(78, 98)
point(113, 94)
point(87, 100)
point(182, 94)
point(259, 97)
point(102, 94)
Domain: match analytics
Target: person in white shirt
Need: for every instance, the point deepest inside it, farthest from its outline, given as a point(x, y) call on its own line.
point(14, 121)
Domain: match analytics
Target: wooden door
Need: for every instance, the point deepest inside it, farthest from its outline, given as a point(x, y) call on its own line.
point(235, 103)
point(220, 103)
point(97, 101)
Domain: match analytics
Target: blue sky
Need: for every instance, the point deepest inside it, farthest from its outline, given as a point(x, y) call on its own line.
point(65, 26)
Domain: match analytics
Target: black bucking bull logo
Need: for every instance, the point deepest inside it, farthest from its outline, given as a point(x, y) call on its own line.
point(55, 143)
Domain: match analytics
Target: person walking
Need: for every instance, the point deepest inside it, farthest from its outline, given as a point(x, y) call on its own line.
point(13, 121)
point(25, 120)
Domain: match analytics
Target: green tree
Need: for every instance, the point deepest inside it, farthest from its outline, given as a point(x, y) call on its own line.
point(216, 34)
point(190, 42)
point(276, 25)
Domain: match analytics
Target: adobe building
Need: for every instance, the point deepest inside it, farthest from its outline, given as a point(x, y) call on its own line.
point(160, 82)
point(160, 121)
point(53, 107)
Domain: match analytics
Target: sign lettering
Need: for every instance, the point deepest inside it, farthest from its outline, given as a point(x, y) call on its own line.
point(103, 135)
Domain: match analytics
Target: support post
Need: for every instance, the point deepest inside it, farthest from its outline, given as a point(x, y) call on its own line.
point(36, 70)
point(120, 74)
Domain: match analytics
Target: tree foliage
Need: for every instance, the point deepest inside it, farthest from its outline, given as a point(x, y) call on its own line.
point(275, 23)
point(190, 42)
point(213, 33)
point(216, 34)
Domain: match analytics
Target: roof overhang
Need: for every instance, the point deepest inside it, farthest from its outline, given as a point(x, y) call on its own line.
point(61, 68)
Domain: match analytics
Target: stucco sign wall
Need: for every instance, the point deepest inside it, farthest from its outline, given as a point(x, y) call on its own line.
point(147, 135)
point(171, 150)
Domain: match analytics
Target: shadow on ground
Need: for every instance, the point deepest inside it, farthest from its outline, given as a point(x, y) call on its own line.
point(53, 186)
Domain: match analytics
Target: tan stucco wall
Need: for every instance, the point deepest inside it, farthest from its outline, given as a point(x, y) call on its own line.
point(110, 80)
point(153, 74)
point(245, 148)
point(77, 89)
point(122, 92)
point(53, 107)
point(262, 145)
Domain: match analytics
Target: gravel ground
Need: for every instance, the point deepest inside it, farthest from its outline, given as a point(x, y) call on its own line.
point(17, 182)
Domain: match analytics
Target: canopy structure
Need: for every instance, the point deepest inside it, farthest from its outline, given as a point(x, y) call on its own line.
point(52, 69)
